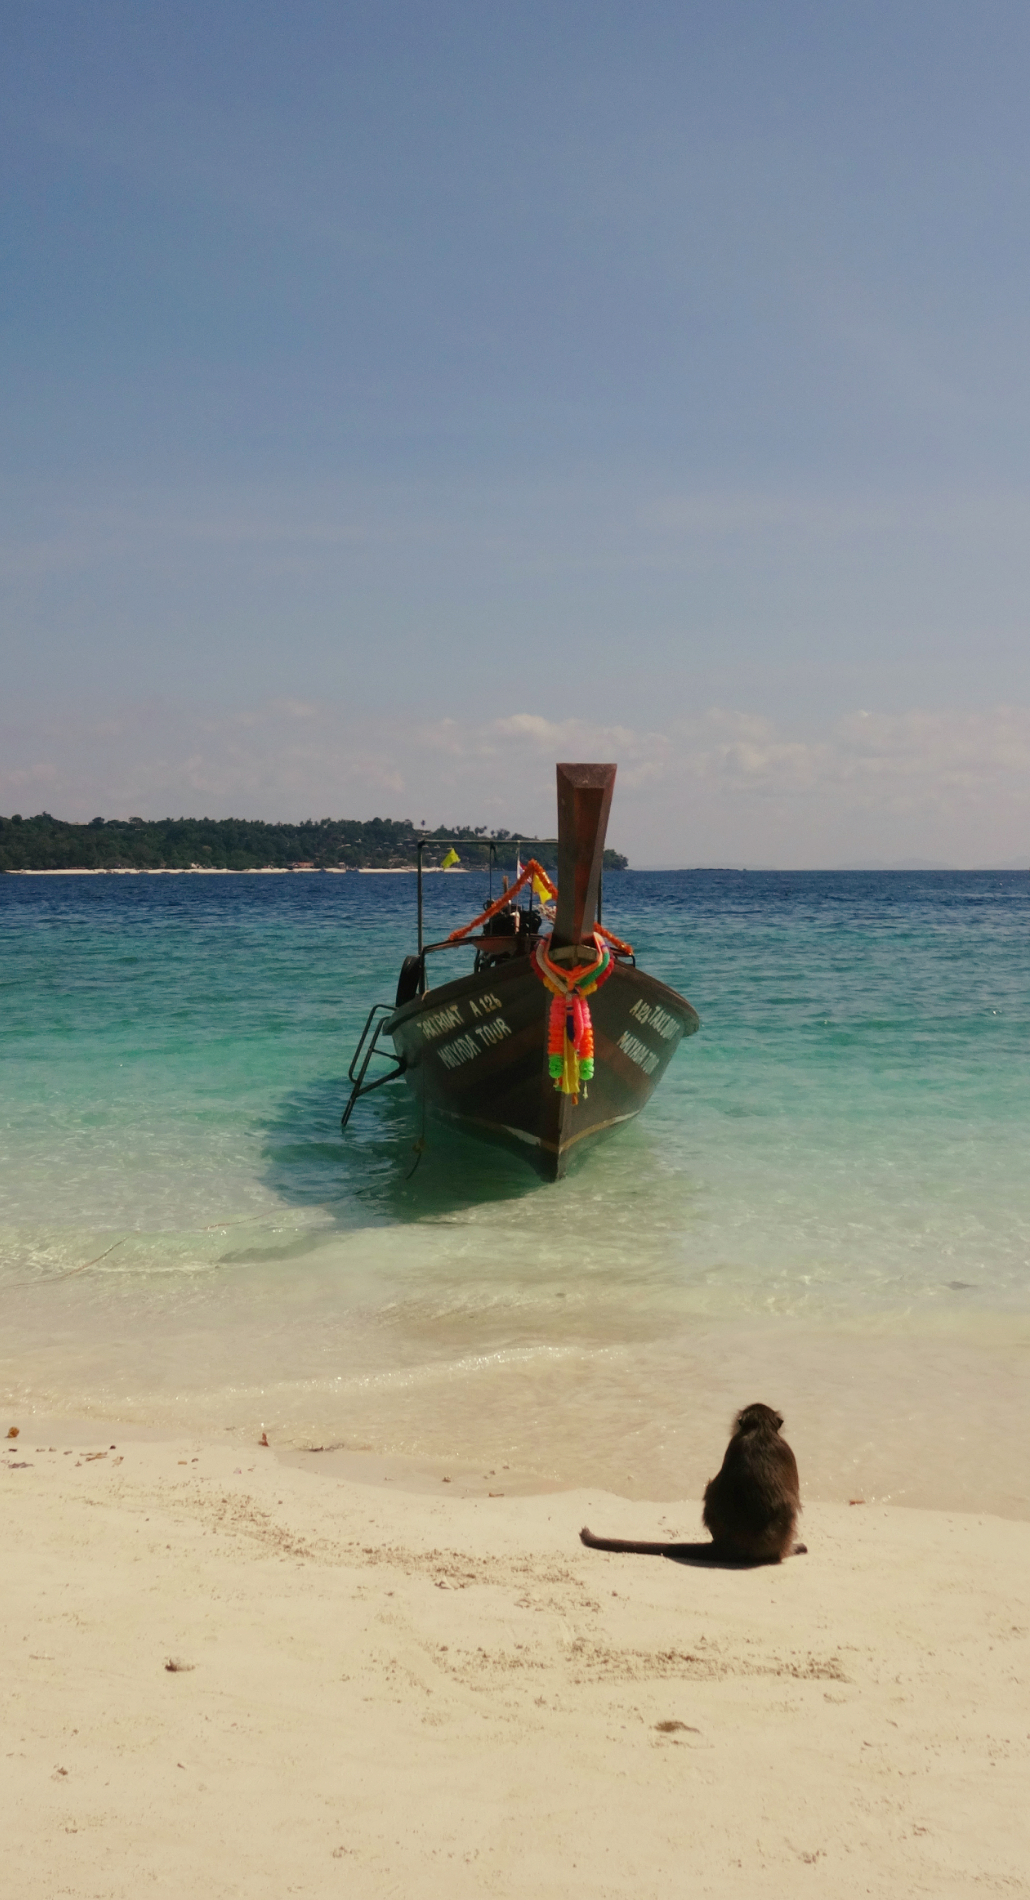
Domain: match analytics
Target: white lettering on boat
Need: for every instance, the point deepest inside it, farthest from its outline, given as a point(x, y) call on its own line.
point(482, 1005)
point(493, 1032)
point(656, 1018)
point(638, 1052)
point(440, 1021)
point(464, 1049)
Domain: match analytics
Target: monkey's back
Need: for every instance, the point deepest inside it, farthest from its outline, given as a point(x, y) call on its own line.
point(751, 1506)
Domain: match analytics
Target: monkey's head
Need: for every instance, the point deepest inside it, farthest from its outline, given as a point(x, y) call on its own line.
point(757, 1418)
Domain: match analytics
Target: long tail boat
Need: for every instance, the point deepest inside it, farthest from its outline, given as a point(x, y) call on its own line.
point(555, 1036)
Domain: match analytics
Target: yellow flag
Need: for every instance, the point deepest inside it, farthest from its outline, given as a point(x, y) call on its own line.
point(451, 858)
point(541, 891)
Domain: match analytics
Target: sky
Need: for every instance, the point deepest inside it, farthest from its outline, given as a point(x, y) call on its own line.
point(399, 397)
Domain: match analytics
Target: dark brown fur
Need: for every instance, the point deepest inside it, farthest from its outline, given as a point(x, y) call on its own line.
point(751, 1506)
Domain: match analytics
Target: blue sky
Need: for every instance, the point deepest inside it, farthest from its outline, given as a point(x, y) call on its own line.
point(398, 397)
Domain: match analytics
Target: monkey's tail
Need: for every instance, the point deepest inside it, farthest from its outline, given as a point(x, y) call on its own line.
point(720, 1556)
point(638, 1549)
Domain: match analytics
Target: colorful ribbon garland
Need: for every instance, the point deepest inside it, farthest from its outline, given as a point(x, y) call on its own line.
point(570, 1030)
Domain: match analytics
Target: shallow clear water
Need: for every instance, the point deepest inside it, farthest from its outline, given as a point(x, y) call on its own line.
point(826, 1205)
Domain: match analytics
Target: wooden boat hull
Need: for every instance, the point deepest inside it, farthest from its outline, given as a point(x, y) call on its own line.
point(475, 1050)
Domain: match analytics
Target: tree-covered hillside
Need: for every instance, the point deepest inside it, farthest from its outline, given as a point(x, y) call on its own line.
point(44, 843)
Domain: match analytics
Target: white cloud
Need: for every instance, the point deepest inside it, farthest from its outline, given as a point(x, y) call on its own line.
point(726, 786)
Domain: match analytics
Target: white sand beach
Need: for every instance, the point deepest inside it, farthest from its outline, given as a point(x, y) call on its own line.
point(388, 1686)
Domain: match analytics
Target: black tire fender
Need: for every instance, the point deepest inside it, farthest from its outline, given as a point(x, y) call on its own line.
point(409, 982)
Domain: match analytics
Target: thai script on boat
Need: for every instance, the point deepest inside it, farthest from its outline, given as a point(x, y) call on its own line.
point(638, 1052)
point(655, 1018)
point(440, 1021)
point(464, 1048)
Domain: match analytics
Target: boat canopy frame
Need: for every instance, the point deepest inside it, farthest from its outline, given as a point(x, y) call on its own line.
point(426, 838)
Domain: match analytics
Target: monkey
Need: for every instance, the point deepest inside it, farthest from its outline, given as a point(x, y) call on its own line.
point(750, 1507)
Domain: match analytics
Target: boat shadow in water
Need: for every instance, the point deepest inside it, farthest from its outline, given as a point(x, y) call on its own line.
point(379, 1174)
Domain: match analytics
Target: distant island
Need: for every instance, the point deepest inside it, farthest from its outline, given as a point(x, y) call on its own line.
point(44, 843)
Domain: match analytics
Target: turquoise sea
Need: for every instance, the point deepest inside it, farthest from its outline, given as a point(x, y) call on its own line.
point(826, 1205)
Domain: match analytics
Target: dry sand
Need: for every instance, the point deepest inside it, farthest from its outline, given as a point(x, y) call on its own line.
point(389, 1690)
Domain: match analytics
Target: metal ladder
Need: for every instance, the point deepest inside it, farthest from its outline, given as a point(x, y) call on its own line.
point(368, 1046)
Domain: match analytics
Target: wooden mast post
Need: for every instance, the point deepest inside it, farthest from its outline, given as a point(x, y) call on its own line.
point(584, 801)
